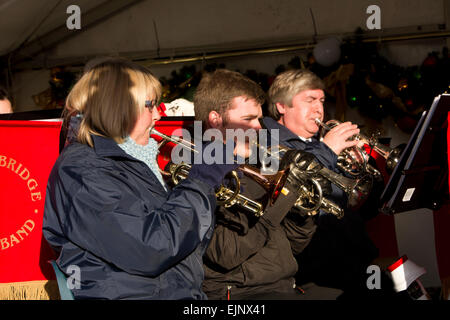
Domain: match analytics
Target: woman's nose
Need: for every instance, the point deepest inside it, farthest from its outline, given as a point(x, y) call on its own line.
point(155, 113)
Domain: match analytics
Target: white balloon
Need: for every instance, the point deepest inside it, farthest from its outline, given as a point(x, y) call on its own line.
point(327, 52)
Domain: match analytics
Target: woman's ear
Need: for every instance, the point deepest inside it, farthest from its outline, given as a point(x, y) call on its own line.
point(215, 120)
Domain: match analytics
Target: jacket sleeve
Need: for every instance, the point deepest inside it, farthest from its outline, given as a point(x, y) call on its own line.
point(237, 234)
point(299, 230)
point(231, 246)
point(323, 153)
point(100, 212)
point(233, 242)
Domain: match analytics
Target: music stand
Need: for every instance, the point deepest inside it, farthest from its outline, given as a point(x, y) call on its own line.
point(420, 179)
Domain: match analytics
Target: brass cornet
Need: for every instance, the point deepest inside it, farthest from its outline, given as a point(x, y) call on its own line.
point(227, 197)
point(354, 160)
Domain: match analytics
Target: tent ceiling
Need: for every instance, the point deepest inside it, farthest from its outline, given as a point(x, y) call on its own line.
point(32, 26)
point(30, 19)
point(174, 28)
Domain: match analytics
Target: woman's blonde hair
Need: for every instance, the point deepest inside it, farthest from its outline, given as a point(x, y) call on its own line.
point(110, 96)
point(287, 85)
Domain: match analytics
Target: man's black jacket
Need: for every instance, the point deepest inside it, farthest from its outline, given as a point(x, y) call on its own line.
point(250, 256)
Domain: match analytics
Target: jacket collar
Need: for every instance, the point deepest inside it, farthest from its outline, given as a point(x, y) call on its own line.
point(107, 147)
point(285, 135)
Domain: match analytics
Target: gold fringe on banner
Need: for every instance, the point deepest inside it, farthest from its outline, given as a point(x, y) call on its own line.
point(30, 290)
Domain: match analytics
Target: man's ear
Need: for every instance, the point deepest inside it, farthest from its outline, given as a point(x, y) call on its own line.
point(281, 108)
point(215, 120)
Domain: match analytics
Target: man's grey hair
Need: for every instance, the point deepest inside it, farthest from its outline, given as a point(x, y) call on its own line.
point(287, 85)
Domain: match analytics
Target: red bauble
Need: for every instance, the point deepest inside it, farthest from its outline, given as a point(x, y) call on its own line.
point(430, 61)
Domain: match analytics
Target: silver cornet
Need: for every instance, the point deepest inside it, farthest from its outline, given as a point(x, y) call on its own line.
point(311, 198)
point(357, 189)
point(354, 160)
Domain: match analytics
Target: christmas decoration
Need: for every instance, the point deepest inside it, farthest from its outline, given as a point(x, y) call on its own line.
point(356, 76)
point(61, 81)
point(377, 88)
point(327, 52)
point(181, 85)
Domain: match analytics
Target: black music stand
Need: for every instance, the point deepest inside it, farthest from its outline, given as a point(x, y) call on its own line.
point(420, 179)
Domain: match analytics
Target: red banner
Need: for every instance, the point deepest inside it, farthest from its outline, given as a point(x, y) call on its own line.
point(28, 150)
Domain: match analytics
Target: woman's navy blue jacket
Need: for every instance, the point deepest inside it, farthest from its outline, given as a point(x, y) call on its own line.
point(107, 214)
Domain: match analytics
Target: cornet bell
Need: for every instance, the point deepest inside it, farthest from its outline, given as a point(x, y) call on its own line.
point(394, 157)
point(360, 192)
point(354, 160)
point(272, 183)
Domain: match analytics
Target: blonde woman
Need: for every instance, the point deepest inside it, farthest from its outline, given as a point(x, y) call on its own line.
point(109, 213)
